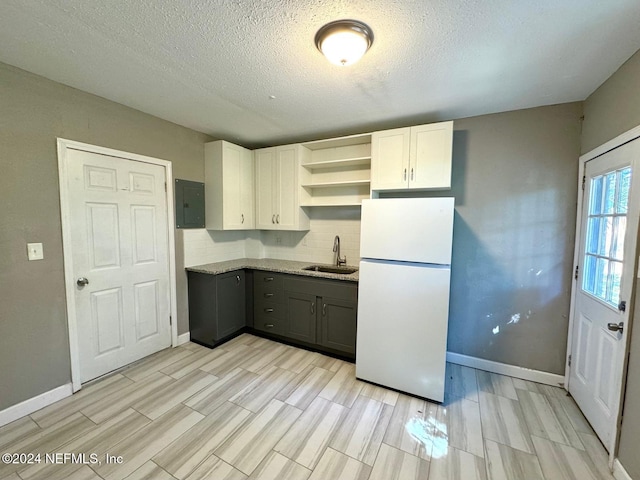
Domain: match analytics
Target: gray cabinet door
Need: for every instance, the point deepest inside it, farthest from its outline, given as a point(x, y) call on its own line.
point(301, 316)
point(231, 302)
point(338, 324)
point(202, 308)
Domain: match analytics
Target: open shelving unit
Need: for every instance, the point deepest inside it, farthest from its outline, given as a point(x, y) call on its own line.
point(336, 172)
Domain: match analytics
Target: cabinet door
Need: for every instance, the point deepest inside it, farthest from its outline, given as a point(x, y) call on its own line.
point(231, 303)
point(202, 308)
point(265, 188)
point(247, 191)
point(390, 159)
point(430, 156)
point(301, 317)
point(232, 185)
point(338, 324)
point(287, 205)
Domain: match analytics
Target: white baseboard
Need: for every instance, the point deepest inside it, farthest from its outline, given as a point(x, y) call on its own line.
point(619, 473)
point(34, 404)
point(184, 338)
point(505, 369)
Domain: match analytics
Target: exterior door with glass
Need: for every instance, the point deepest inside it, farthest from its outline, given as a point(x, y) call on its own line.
point(604, 286)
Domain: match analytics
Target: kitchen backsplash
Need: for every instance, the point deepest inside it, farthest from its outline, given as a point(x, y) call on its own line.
point(203, 246)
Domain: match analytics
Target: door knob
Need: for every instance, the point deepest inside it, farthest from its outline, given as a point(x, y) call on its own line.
point(616, 327)
point(82, 281)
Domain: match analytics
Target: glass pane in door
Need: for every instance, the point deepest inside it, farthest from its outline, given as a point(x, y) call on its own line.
point(604, 241)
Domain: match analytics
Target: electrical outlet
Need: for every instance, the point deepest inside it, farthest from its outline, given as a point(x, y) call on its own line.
point(278, 239)
point(35, 251)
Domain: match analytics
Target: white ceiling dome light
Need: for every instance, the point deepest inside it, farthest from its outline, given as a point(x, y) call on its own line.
point(344, 42)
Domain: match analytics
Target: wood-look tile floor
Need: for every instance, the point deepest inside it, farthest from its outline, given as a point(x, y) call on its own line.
point(256, 409)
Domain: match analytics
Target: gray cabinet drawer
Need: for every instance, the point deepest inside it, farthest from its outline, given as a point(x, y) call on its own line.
point(267, 281)
point(264, 295)
point(268, 309)
point(270, 324)
point(322, 288)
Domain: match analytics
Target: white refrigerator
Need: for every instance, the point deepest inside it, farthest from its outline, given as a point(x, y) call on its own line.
point(403, 294)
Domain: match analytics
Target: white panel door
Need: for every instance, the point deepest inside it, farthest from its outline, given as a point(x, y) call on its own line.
point(390, 159)
point(247, 190)
point(287, 188)
point(430, 156)
point(605, 281)
point(119, 242)
point(403, 312)
point(232, 186)
point(265, 159)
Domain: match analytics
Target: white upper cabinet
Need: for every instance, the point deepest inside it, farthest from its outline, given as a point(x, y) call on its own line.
point(412, 158)
point(229, 187)
point(277, 189)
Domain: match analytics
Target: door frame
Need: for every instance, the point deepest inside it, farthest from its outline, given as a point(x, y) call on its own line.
point(612, 144)
point(63, 146)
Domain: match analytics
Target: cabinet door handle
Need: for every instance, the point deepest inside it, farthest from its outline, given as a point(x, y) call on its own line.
point(268, 295)
point(313, 308)
point(237, 279)
point(405, 174)
point(278, 218)
point(268, 325)
point(243, 218)
point(268, 279)
point(273, 218)
point(324, 309)
point(412, 174)
point(268, 310)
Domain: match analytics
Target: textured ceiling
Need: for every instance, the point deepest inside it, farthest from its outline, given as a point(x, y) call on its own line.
point(213, 65)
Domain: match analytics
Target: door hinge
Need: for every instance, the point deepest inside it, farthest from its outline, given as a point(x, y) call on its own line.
point(569, 360)
point(584, 180)
point(575, 275)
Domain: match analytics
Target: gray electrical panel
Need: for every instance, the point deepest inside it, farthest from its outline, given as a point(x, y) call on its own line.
point(189, 204)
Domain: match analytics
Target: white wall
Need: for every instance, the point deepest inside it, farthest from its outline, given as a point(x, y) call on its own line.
point(316, 245)
point(206, 246)
point(203, 246)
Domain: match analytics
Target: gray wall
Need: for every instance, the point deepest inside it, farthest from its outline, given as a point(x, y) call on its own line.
point(515, 182)
point(614, 107)
point(611, 110)
point(34, 352)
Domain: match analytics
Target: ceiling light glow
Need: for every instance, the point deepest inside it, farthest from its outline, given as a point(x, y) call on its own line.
point(344, 42)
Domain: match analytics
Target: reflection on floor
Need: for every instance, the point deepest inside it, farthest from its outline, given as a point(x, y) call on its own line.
point(261, 410)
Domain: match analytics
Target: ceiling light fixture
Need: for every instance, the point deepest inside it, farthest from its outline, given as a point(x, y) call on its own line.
point(344, 42)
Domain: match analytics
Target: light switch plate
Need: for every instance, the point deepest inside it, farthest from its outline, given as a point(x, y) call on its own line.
point(35, 251)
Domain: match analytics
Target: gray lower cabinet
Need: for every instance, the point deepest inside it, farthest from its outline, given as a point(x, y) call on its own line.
point(338, 324)
point(315, 312)
point(217, 306)
point(301, 316)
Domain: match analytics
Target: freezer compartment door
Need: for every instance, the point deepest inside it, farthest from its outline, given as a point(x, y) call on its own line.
point(403, 314)
point(407, 229)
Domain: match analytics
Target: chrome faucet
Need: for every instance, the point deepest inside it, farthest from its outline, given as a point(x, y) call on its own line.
point(336, 248)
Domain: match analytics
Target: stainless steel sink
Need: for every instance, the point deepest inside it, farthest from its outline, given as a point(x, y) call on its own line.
point(329, 269)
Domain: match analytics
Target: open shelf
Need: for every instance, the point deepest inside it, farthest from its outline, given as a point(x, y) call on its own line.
point(346, 183)
point(346, 162)
point(350, 140)
point(336, 172)
point(336, 204)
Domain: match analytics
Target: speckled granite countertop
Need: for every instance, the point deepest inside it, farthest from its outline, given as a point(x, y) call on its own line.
point(269, 265)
